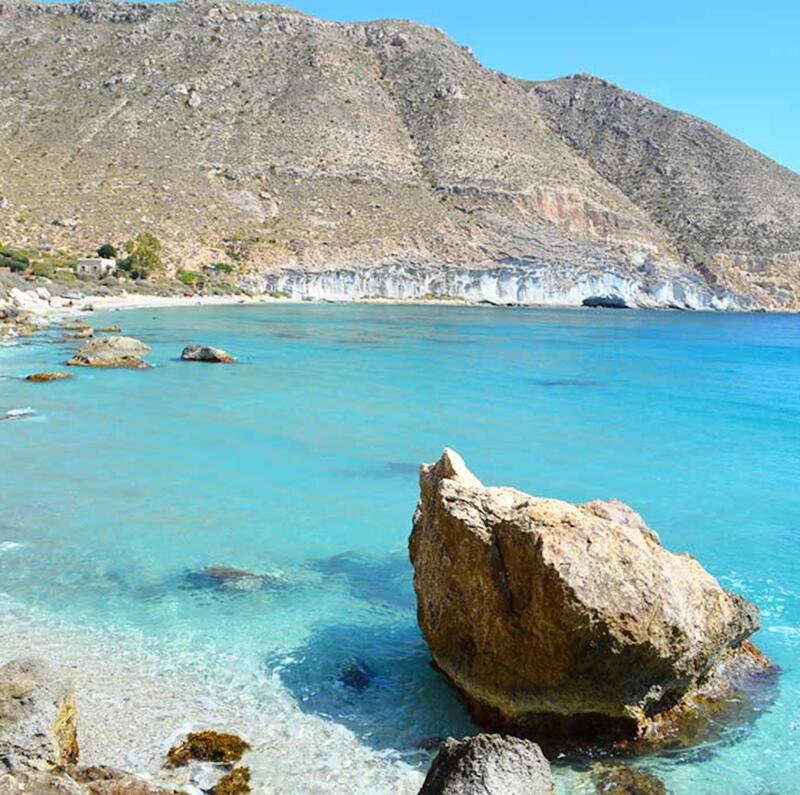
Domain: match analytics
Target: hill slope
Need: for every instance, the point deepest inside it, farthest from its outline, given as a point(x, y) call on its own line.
point(379, 158)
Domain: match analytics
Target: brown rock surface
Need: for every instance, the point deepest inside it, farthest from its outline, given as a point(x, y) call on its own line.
point(38, 378)
point(206, 353)
point(38, 716)
point(547, 614)
point(111, 352)
point(207, 746)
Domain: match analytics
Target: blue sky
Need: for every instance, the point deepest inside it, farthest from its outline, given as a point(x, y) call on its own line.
point(735, 63)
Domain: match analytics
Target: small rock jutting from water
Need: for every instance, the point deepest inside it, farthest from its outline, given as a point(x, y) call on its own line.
point(207, 746)
point(83, 334)
point(559, 620)
point(489, 764)
point(206, 353)
point(109, 330)
point(39, 378)
point(111, 352)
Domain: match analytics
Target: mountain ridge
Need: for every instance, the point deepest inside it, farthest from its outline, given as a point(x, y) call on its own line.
point(295, 145)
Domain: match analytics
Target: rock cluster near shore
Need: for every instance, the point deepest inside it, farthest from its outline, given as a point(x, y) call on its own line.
point(558, 619)
point(39, 751)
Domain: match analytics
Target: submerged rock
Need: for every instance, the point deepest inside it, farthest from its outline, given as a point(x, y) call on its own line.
point(554, 618)
point(621, 780)
point(220, 577)
point(38, 717)
point(357, 676)
point(207, 746)
point(205, 353)
point(111, 352)
point(42, 377)
point(489, 764)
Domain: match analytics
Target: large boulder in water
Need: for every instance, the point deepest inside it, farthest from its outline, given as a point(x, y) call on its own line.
point(551, 617)
point(489, 764)
point(111, 352)
point(38, 717)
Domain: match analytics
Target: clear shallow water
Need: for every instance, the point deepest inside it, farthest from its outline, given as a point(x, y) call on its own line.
point(300, 463)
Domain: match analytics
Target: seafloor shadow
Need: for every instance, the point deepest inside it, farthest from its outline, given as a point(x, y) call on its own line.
point(380, 581)
point(384, 470)
point(378, 682)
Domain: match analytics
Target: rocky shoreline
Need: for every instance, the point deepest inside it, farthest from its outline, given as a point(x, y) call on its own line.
point(521, 286)
point(514, 284)
point(563, 627)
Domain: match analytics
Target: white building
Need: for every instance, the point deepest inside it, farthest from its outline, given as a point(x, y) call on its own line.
point(97, 268)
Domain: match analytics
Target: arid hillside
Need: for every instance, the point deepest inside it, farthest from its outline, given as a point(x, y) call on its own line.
point(376, 158)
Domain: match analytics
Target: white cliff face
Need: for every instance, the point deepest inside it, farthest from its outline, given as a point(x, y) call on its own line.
point(514, 284)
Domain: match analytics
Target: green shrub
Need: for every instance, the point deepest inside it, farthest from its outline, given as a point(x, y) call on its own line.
point(12, 263)
point(188, 277)
point(16, 259)
point(222, 267)
point(144, 253)
point(45, 269)
point(107, 251)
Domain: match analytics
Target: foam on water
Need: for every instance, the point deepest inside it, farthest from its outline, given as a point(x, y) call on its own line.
point(298, 464)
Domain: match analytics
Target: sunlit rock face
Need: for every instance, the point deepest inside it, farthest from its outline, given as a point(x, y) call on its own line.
point(556, 617)
point(513, 284)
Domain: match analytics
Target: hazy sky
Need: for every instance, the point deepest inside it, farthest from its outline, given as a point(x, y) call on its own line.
point(733, 62)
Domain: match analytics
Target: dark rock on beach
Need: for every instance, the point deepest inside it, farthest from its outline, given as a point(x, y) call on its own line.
point(489, 764)
point(206, 353)
point(111, 352)
point(555, 619)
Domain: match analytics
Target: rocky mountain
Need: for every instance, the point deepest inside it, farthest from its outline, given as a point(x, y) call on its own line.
point(344, 160)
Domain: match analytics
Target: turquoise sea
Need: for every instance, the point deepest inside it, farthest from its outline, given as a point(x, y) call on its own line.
point(300, 463)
